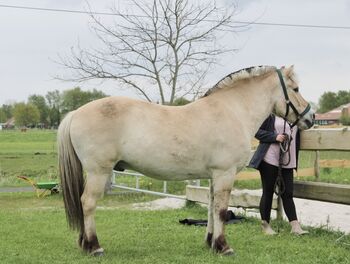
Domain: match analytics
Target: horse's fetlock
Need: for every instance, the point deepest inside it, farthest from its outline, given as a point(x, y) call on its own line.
point(220, 244)
point(209, 239)
point(90, 245)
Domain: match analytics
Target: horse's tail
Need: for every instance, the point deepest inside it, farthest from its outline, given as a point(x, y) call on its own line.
point(71, 174)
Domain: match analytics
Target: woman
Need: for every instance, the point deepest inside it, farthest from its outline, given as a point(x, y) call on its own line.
point(266, 160)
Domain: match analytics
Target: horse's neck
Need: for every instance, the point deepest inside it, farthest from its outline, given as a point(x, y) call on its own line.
point(262, 106)
point(258, 98)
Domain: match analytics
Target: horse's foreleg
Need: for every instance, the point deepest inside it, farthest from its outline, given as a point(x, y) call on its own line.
point(210, 225)
point(94, 189)
point(222, 186)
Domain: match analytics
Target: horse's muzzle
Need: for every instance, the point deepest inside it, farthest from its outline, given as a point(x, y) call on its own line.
point(309, 123)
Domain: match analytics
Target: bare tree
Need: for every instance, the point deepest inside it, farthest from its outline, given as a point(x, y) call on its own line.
point(163, 48)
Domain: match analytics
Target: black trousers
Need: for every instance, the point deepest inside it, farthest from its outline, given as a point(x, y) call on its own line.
point(268, 175)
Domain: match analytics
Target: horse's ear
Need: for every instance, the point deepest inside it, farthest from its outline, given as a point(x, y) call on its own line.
point(289, 70)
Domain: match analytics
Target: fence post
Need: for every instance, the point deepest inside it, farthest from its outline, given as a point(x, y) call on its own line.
point(317, 165)
point(113, 177)
point(137, 182)
point(164, 187)
point(110, 181)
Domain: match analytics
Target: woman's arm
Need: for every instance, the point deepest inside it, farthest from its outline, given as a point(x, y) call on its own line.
point(264, 134)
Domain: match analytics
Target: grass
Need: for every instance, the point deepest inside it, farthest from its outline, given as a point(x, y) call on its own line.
point(33, 154)
point(35, 231)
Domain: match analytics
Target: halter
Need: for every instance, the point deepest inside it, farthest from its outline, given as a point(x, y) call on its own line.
point(289, 103)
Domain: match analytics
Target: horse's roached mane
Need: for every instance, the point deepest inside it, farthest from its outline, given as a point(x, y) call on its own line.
point(240, 75)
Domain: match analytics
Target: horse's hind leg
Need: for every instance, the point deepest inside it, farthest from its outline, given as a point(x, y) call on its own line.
point(94, 189)
point(222, 186)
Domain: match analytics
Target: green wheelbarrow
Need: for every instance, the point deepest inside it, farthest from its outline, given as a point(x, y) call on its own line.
point(42, 188)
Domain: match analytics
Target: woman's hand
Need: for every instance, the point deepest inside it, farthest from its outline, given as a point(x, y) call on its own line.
point(280, 138)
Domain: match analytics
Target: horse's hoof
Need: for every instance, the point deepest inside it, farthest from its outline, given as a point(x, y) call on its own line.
point(97, 253)
point(228, 252)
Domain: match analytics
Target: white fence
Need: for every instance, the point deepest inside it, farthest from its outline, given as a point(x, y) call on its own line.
point(137, 185)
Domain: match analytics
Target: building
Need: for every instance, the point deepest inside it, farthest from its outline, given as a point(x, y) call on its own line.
point(333, 116)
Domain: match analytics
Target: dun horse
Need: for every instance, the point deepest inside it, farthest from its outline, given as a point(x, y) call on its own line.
point(207, 139)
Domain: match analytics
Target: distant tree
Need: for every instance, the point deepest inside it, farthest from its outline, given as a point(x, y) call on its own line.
point(8, 110)
point(345, 117)
point(331, 100)
point(40, 102)
point(26, 114)
point(345, 120)
point(327, 101)
point(343, 97)
point(54, 101)
point(74, 98)
point(3, 117)
point(181, 101)
point(94, 95)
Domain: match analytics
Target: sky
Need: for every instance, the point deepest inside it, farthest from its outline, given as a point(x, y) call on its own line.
point(31, 41)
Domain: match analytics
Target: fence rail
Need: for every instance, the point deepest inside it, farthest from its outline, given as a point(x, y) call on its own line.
point(137, 185)
point(326, 139)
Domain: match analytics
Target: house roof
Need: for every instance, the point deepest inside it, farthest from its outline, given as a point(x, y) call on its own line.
point(10, 122)
point(328, 116)
point(334, 114)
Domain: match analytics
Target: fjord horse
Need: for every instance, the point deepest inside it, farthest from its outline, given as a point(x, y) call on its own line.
point(209, 138)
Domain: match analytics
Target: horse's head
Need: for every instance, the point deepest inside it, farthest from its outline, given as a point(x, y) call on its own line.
point(291, 105)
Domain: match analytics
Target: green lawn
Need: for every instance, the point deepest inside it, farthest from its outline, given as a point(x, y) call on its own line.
point(32, 154)
point(35, 231)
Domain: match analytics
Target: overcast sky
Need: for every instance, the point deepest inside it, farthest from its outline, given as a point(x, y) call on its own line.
point(30, 40)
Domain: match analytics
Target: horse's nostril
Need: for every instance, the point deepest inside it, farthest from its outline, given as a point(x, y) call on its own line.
point(309, 123)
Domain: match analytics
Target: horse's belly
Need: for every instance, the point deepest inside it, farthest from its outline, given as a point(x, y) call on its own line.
point(161, 171)
point(172, 173)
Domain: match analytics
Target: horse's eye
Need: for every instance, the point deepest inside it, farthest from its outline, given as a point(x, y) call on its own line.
point(296, 89)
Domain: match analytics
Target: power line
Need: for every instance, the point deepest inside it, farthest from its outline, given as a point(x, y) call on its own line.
point(57, 10)
point(208, 20)
point(293, 25)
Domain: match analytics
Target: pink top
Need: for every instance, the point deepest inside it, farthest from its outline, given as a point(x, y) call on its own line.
point(272, 154)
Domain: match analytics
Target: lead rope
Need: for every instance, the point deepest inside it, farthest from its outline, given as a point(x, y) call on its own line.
point(279, 187)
